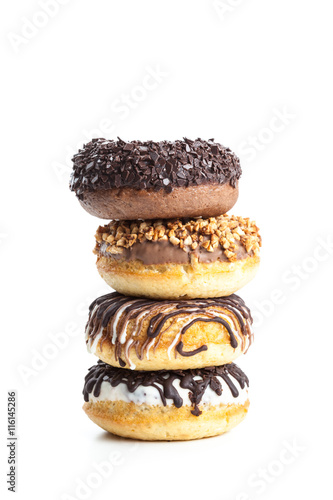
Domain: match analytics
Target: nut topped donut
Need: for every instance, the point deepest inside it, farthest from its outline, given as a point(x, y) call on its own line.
point(166, 405)
point(132, 180)
point(181, 258)
point(143, 334)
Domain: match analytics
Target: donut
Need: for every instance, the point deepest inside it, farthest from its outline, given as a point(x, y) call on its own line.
point(131, 180)
point(166, 405)
point(179, 258)
point(143, 334)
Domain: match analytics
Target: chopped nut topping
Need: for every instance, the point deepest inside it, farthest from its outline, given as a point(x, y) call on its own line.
point(227, 231)
point(175, 241)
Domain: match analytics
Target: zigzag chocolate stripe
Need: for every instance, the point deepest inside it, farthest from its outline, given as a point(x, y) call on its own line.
point(110, 315)
point(195, 380)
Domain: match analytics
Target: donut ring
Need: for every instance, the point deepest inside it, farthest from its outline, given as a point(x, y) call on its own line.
point(181, 258)
point(119, 180)
point(178, 405)
point(142, 334)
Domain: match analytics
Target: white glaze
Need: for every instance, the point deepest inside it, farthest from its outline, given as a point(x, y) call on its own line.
point(172, 345)
point(151, 396)
point(92, 345)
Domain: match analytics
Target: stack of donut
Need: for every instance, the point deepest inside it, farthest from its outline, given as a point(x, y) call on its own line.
point(168, 336)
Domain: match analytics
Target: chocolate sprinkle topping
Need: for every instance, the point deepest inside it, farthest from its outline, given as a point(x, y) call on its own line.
point(195, 380)
point(106, 164)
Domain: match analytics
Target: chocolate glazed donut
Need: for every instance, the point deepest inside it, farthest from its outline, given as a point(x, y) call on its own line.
point(178, 258)
point(119, 180)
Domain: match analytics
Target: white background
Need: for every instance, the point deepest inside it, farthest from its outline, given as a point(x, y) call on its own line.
point(225, 72)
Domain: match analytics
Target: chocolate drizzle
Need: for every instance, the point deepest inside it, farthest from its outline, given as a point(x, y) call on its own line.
point(195, 380)
point(106, 164)
point(109, 317)
point(180, 346)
